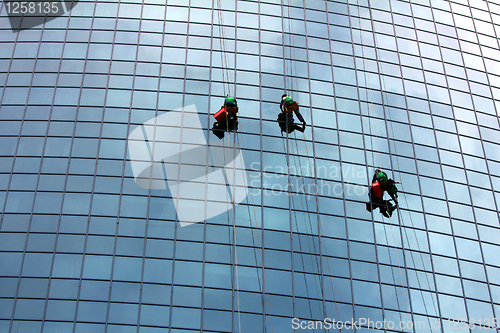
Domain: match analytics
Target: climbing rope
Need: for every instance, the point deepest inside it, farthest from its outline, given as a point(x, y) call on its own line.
point(407, 205)
point(320, 231)
point(225, 61)
point(370, 107)
point(258, 238)
point(298, 238)
point(403, 191)
point(234, 227)
point(227, 83)
point(413, 227)
point(289, 72)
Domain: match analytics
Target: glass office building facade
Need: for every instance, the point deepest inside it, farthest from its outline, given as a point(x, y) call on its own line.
point(411, 87)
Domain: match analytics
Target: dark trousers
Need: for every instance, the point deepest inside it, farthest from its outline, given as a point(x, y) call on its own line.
point(385, 206)
point(228, 123)
point(286, 123)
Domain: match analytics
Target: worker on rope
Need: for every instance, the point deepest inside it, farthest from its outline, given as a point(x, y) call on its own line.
point(381, 183)
point(227, 119)
point(285, 118)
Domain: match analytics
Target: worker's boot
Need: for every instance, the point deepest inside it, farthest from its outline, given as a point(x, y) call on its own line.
point(392, 209)
point(383, 211)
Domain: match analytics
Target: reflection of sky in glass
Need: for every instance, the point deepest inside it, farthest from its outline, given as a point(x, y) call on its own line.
point(413, 87)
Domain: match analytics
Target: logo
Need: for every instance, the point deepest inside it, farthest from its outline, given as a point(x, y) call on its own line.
point(29, 14)
point(205, 180)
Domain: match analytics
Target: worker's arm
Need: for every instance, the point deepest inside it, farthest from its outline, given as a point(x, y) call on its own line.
point(393, 191)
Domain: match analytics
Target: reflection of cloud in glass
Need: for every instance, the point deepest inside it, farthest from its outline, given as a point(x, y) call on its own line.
point(203, 179)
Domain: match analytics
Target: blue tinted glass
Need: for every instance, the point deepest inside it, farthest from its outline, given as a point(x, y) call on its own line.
point(156, 294)
point(97, 267)
point(185, 317)
point(159, 271)
point(64, 289)
point(374, 90)
point(123, 313)
point(127, 269)
point(60, 310)
point(154, 315)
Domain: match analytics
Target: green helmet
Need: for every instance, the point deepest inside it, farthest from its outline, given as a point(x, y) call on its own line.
point(381, 176)
point(230, 101)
